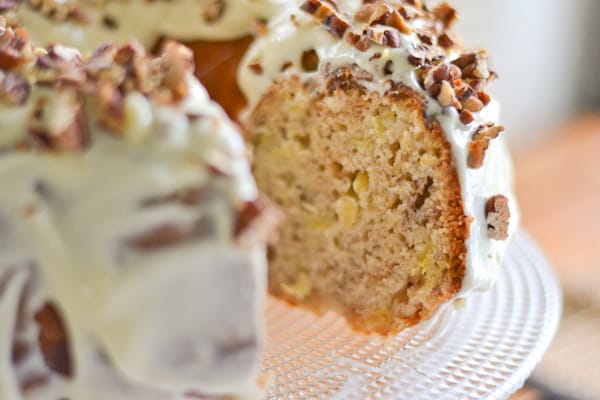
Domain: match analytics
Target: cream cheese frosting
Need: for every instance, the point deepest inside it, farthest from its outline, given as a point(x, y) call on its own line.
point(133, 239)
point(98, 22)
point(294, 31)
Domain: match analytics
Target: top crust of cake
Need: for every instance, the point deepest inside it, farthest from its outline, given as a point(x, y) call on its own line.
point(381, 44)
point(127, 198)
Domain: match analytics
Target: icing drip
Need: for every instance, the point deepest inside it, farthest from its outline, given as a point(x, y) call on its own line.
point(133, 239)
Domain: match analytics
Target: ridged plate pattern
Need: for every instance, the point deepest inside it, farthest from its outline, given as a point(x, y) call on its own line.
point(482, 350)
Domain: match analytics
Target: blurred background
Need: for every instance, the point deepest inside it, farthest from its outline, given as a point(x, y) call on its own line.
point(547, 53)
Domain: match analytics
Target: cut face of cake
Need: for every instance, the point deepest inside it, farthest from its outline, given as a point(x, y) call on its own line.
point(132, 259)
point(376, 135)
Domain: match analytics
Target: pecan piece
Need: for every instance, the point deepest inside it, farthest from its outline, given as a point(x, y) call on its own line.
point(214, 10)
point(59, 122)
point(111, 106)
point(15, 48)
point(384, 37)
point(480, 142)
point(177, 62)
point(360, 42)
point(473, 65)
point(497, 217)
point(14, 90)
point(54, 340)
point(445, 13)
point(309, 60)
point(326, 14)
point(466, 117)
point(384, 14)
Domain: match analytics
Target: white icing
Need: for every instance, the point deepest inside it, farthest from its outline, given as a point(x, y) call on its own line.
point(171, 319)
point(285, 43)
point(146, 21)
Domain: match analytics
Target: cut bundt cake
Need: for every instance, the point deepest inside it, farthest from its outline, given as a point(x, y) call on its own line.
point(374, 131)
point(218, 31)
point(132, 259)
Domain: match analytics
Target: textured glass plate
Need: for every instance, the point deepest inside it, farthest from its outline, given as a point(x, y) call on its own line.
point(484, 350)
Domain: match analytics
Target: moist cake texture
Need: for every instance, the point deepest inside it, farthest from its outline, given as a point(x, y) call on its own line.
point(374, 131)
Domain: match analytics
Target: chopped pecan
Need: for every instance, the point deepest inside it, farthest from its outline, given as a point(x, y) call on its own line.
point(484, 97)
point(214, 10)
point(309, 60)
point(256, 67)
point(177, 62)
point(473, 65)
point(58, 123)
point(477, 149)
point(60, 11)
point(360, 42)
point(425, 38)
point(249, 212)
point(59, 63)
point(109, 22)
point(125, 54)
point(54, 340)
point(488, 130)
point(326, 14)
point(15, 48)
point(422, 55)
point(388, 68)
point(101, 60)
point(347, 78)
point(111, 105)
point(445, 41)
point(497, 217)
point(363, 14)
point(383, 37)
point(446, 96)
point(14, 90)
point(445, 13)
point(384, 14)
point(168, 235)
point(466, 117)
point(480, 142)
point(473, 104)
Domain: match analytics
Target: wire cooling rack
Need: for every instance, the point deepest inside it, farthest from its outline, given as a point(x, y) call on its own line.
point(483, 350)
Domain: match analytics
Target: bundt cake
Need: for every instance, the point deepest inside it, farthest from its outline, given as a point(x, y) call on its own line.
point(132, 259)
point(218, 31)
point(374, 131)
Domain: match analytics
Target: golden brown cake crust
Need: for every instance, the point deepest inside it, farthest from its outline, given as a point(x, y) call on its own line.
point(375, 225)
point(216, 65)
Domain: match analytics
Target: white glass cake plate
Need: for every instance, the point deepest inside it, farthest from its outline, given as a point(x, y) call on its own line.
point(484, 349)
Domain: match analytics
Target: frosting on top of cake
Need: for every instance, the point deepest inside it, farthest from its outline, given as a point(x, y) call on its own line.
point(86, 24)
point(385, 43)
point(124, 212)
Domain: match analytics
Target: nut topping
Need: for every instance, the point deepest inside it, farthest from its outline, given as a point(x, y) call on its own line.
point(480, 142)
point(326, 14)
point(497, 217)
point(14, 90)
point(214, 10)
point(446, 14)
point(58, 122)
point(310, 60)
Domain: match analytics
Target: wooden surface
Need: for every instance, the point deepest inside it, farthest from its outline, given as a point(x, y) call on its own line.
point(558, 189)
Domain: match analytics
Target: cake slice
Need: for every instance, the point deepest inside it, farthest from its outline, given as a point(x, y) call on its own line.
point(132, 259)
point(374, 131)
